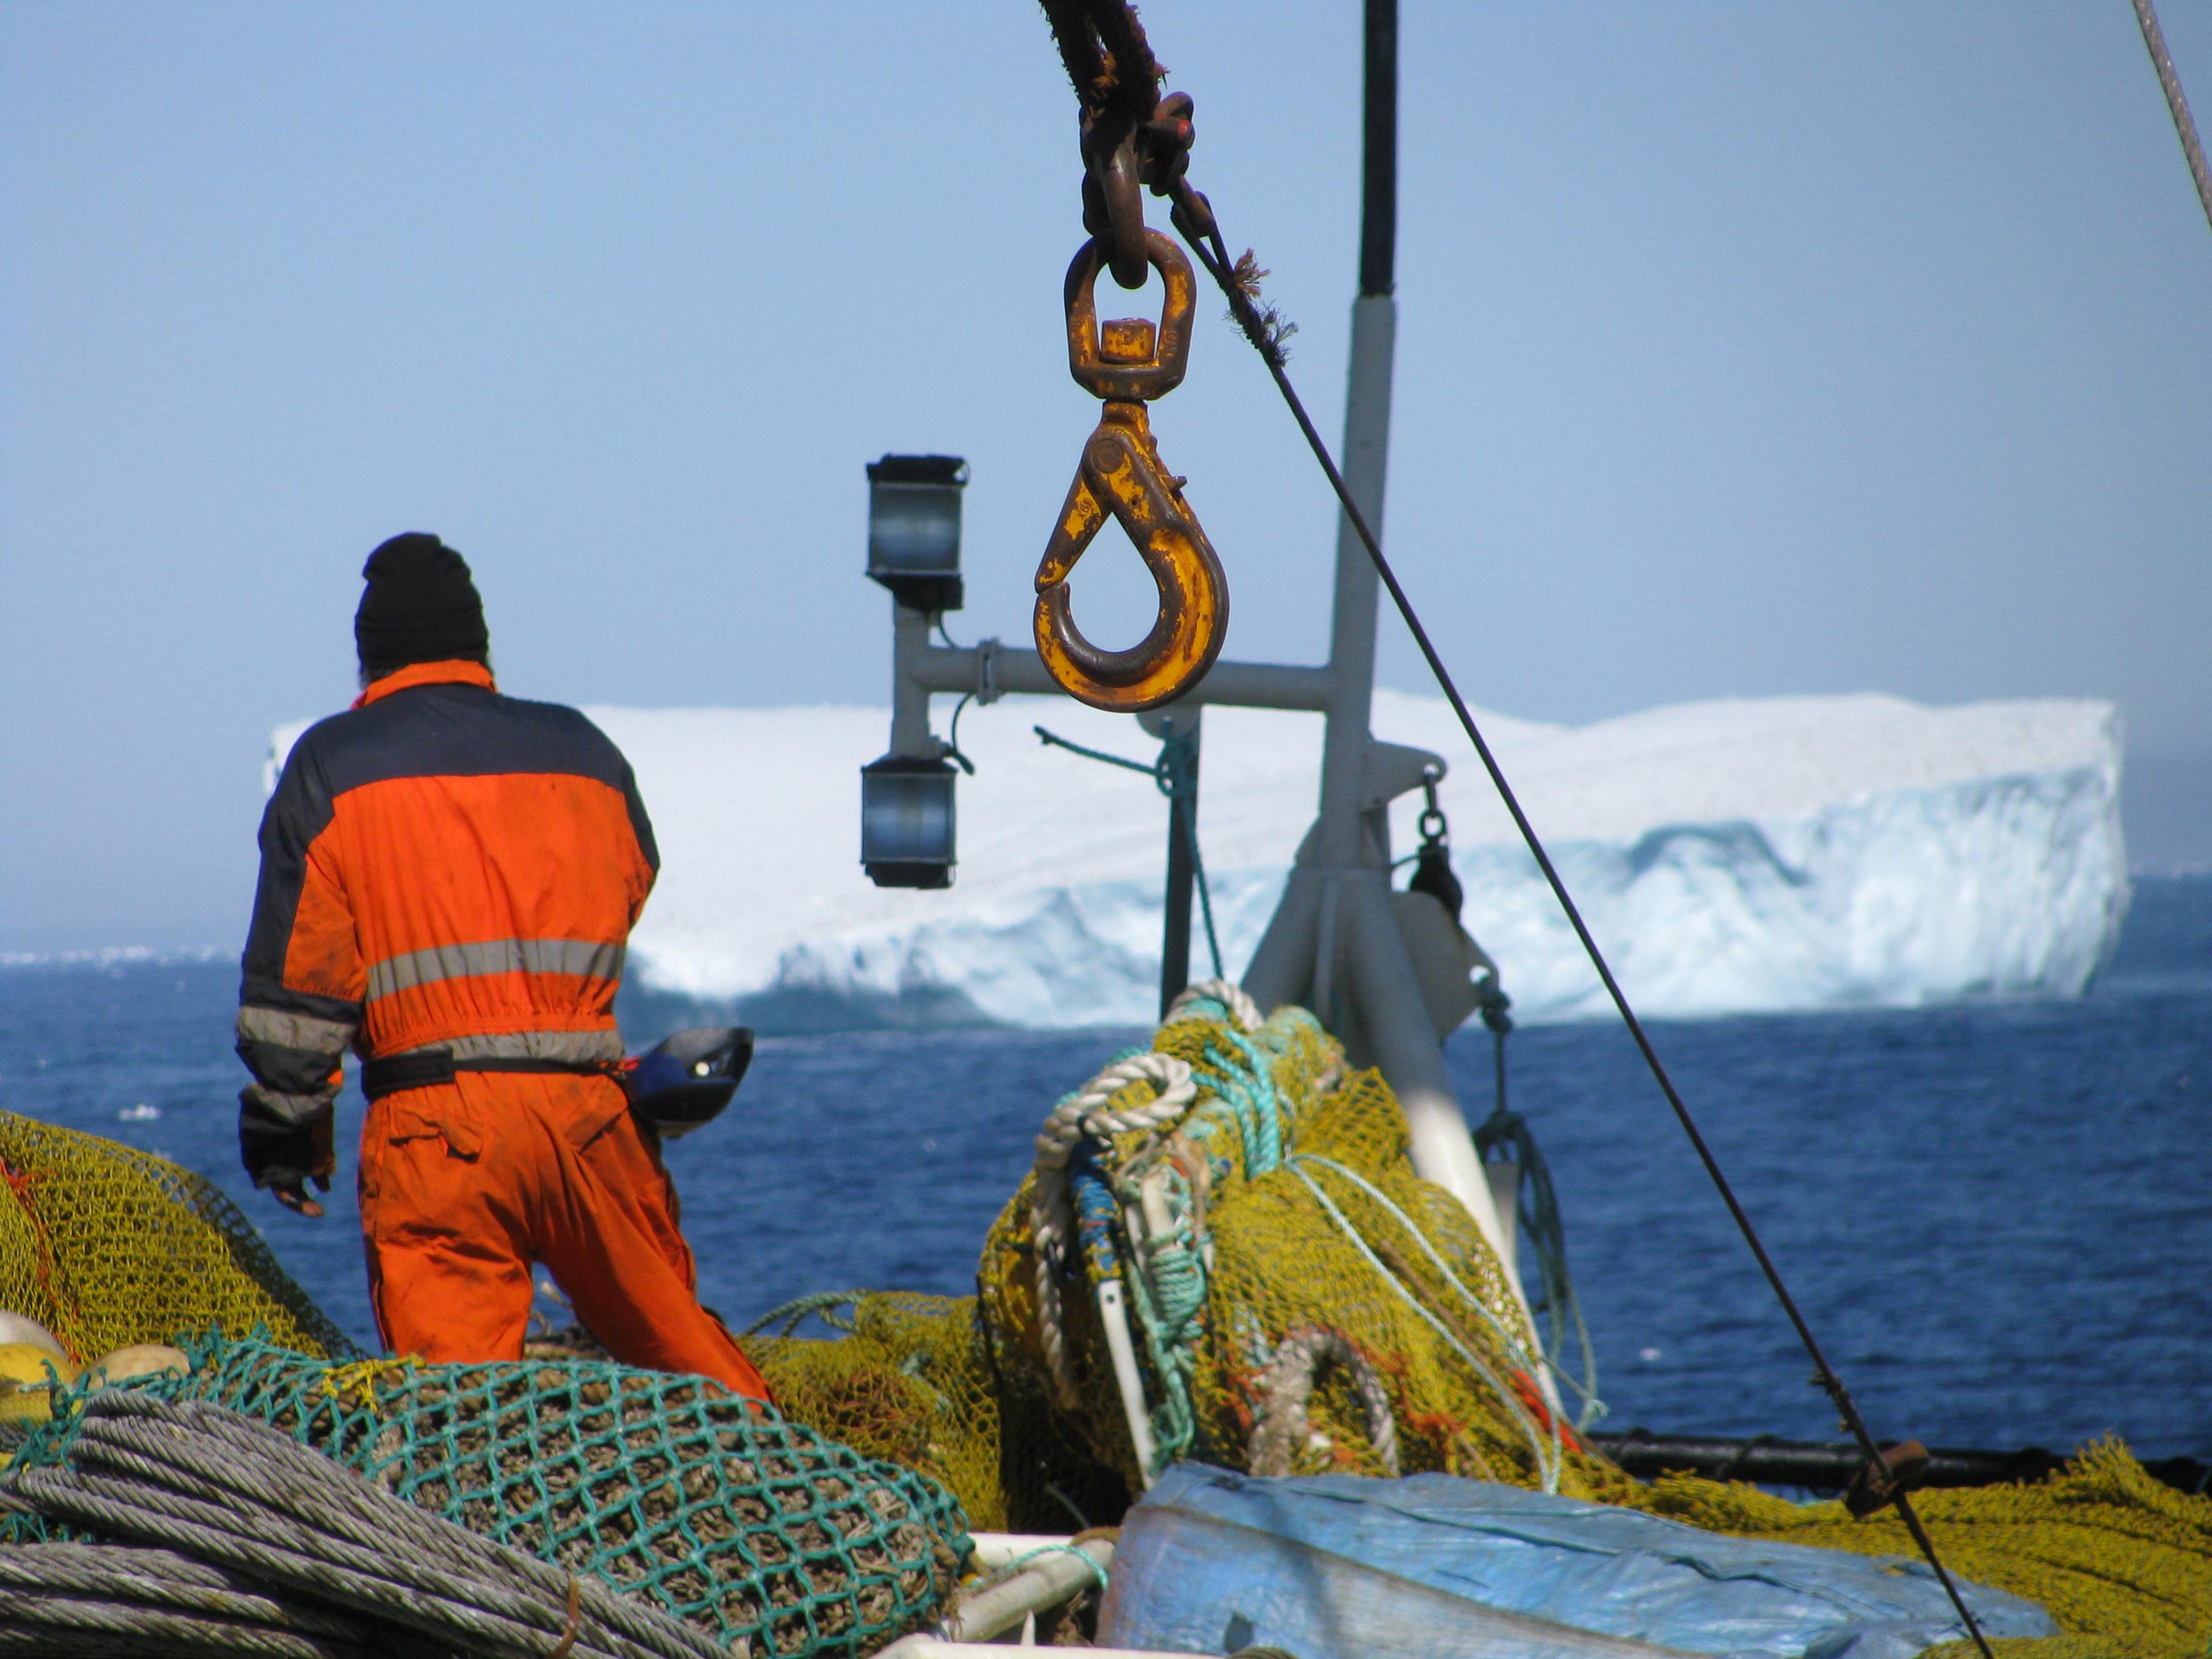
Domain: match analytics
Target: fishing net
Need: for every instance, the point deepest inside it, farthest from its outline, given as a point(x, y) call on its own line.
point(104, 1244)
point(1293, 1295)
point(1276, 1218)
point(720, 1511)
point(1269, 1216)
point(2122, 1562)
point(917, 1380)
point(908, 1383)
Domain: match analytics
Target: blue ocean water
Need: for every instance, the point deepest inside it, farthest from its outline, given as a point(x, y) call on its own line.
point(1997, 1216)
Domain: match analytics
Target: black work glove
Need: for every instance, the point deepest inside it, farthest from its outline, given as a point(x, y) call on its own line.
point(283, 1151)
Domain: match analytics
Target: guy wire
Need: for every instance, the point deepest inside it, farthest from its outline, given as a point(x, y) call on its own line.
point(1077, 25)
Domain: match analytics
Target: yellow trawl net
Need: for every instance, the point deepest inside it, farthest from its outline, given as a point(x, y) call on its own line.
point(1278, 1204)
point(1265, 1221)
point(2122, 1562)
point(104, 1244)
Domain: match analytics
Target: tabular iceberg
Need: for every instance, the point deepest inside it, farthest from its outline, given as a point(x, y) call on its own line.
point(1772, 854)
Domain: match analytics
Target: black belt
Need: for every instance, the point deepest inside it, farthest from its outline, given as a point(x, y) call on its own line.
point(429, 1066)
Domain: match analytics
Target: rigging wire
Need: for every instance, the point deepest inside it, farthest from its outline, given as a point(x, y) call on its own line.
point(1265, 339)
point(2176, 105)
point(1239, 280)
point(1176, 773)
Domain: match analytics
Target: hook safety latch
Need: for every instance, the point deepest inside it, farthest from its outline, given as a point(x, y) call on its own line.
point(1120, 474)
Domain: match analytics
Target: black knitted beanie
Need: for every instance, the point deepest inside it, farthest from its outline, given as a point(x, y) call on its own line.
point(419, 607)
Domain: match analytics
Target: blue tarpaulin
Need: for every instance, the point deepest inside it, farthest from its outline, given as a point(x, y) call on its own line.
point(1344, 1567)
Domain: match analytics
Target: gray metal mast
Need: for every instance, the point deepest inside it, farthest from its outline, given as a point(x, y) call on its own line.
point(1334, 943)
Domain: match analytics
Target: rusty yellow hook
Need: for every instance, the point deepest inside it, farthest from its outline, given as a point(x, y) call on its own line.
point(1121, 474)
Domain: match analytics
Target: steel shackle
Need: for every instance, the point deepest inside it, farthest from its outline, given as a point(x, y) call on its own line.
point(1120, 474)
point(1159, 370)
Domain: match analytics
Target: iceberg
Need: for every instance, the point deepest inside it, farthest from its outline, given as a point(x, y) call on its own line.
point(1745, 856)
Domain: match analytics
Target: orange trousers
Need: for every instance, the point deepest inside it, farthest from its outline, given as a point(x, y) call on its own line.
point(466, 1186)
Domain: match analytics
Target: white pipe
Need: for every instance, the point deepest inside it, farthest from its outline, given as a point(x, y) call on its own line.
point(1056, 1577)
point(1396, 1023)
point(1113, 1313)
point(1365, 461)
point(991, 1551)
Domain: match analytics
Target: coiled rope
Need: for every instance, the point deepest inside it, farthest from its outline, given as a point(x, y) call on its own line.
point(1287, 1390)
point(272, 1531)
point(1087, 1115)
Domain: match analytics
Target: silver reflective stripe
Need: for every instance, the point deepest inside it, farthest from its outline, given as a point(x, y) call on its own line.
point(300, 1031)
point(569, 1048)
point(410, 969)
point(289, 1108)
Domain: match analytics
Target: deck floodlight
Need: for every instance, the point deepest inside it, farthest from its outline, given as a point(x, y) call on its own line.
point(906, 826)
point(914, 528)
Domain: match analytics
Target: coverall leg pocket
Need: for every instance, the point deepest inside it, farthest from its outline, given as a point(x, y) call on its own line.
point(447, 1276)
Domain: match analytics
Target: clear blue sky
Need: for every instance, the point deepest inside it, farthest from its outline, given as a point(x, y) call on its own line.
point(1745, 349)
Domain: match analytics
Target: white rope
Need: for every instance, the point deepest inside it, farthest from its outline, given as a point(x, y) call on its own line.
point(1548, 1466)
point(1086, 1113)
point(1228, 994)
point(1518, 1347)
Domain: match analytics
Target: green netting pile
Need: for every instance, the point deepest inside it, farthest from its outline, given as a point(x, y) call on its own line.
point(720, 1511)
point(920, 1380)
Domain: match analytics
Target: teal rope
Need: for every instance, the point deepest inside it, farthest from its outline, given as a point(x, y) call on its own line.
point(1026, 1556)
point(1176, 772)
point(1170, 1296)
point(1548, 1466)
point(1248, 1090)
point(1052, 741)
point(794, 1312)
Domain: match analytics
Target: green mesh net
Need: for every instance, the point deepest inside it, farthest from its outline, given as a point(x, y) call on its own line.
point(719, 1510)
point(104, 1245)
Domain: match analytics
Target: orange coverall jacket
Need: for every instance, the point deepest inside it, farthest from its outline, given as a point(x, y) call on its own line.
point(445, 868)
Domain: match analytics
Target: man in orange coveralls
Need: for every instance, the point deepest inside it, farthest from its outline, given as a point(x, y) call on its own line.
point(448, 880)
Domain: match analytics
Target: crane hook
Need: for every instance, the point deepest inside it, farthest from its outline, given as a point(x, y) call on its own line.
point(1120, 474)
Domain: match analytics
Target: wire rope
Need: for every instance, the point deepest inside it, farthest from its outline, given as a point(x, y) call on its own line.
point(1193, 218)
point(2176, 104)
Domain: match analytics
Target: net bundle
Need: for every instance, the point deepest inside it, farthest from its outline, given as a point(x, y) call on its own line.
point(1282, 1263)
point(1281, 1266)
point(106, 1245)
point(920, 1381)
point(720, 1511)
point(1291, 1288)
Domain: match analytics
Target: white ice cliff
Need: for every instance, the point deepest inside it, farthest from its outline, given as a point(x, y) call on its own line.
point(1789, 852)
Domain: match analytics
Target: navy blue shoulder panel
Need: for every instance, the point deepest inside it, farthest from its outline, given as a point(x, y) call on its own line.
point(459, 731)
point(297, 813)
point(449, 730)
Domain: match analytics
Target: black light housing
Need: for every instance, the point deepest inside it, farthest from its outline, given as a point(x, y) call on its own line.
point(914, 528)
point(906, 823)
